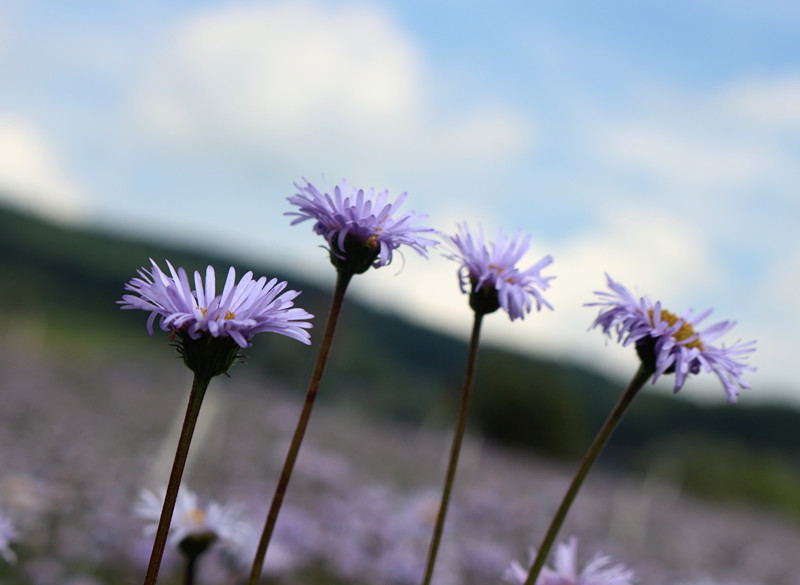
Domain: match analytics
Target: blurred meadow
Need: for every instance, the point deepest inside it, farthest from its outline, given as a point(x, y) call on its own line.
point(91, 403)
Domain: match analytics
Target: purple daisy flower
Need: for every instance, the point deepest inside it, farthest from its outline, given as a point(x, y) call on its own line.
point(490, 275)
point(672, 344)
point(565, 570)
point(362, 229)
point(241, 311)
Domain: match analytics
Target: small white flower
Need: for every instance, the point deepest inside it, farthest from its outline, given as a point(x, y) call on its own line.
point(565, 570)
point(224, 524)
point(8, 534)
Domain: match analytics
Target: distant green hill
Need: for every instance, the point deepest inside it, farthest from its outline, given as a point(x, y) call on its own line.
point(65, 282)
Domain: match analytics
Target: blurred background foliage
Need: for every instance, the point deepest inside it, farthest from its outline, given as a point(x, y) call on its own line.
point(59, 286)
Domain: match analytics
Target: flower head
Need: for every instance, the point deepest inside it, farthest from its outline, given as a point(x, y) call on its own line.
point(8, 534)
point(194, 528)
point(490, 275)
point(209, 324)
point(362, 230)
point(672, 344)
point(565, 570)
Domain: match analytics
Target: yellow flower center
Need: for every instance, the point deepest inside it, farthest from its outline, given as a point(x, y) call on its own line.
point(372, 242)
point(499, 270)
point(198, 517)
point(684, 332)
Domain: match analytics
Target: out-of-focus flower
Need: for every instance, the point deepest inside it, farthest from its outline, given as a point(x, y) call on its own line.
point(669, 343)
point(212, 328)
point(8, 534)
point(194, 527)
point(710, 581)
point(362, 229)
point(489, 273)
point(565, 570)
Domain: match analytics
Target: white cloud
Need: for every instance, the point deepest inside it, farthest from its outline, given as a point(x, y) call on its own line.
point(490, 133)
point(284, 68)
point(302, 81)
point(781, 287)
point(738, 137)
point(32, 176)
point(773, 103)
point(684, 156)
point(775, 298)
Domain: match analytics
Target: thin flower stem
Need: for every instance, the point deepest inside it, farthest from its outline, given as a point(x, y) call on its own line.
point(191, 565)
point(342, 280)
point(639, 379)
point(199, 386)
point(455, 449)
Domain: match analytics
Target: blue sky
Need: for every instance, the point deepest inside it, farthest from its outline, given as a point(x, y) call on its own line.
point(658, 143)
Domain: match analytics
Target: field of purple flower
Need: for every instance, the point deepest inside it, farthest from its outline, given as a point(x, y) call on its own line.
point(82, 436)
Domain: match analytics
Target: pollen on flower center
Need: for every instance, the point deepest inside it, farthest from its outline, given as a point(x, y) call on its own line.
point(197, 516)
point(500, 269)
point(372, 241)
point(228, 314)
point(686, 331)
